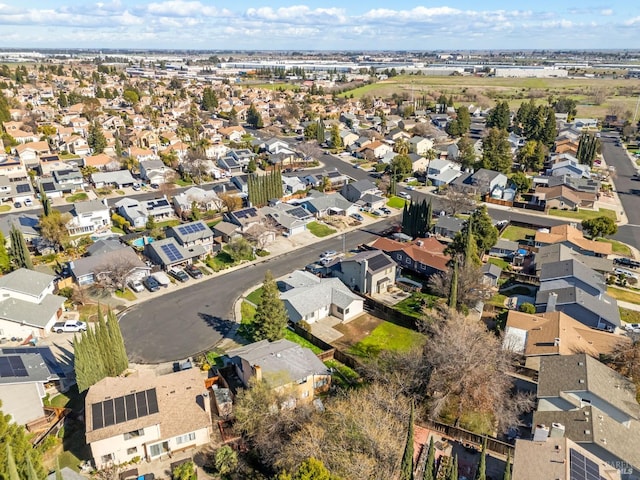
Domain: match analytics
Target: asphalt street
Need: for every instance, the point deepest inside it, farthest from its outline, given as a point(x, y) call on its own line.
point(628, 189)
point(184, 322)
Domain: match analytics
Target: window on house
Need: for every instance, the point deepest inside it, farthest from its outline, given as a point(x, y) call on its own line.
point(408, 260)
point(340, 310)
point(107, 458)
point(189, 437)
point(320, 383)
point(134, 434)
point(346, 310)
point(302, 380)
point(158, 449)
point(132, 450)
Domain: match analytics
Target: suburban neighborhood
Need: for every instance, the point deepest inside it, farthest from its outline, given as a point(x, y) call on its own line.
point(215, 268)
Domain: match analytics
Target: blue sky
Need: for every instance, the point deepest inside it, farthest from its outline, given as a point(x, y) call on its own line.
point(321, 25)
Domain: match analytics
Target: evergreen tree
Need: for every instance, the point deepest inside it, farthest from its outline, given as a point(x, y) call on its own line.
point(19, 251)
point(31, 472)
point(58, 472)
point(320, 135)
point(96, 138)
point(466, 152)
point(406, 466)
point(430, 466)
point(63, 101)
point(233, 117)
point(12, 469)
point(453, 471)
point(254, 118)
point(209, 100)
point(336, 139)
point(119, 349)
point(507, 468)
point(19, 460)
point(453, 288)
point(481, 473)
point(496, 151)
point(105, 346)
point(550, 130)
point(469, 250)
point(500, 116)
point(5, 259)
point(429, 216)
point(5, 114)
point(46, 203)
point(270, 319)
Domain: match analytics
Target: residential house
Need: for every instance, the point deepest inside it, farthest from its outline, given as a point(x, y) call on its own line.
point(138, 213)
point(369, 272)
point(245, 218)
point(490, 274)
point(420, 145)
point(442, 172)
point(564, 197)
point(232, 133)
point(554, 333)
point(242, 182)
point(322, 204)
point(448, 227)
point(570, 167)
point(78, 146)
point(227, 231)
point(354, 191)
point(375, 149)
point(275, 146)
point(47, 164)
point(572, 238)
point(12, 167)
point(504, 248)
point(141, 154)
point(20, 190)
point(118, 179)
point(424, 256)
point(101, 161)
point(188, 235)
point(28, 224)
point(291, 185)
point(29, 153)
point(558, 252)
point(348, 137)
point(169, 253)
point(28, 307)
point(205, 200)
point(310, 298)
point(146, 416)
point(155, 171)
point(559, 458)
point(570, 287)
point(592, 405)
point(289, 219)
point(285, 366)
point(100, 264)
point(482, 182)
point(24, 373)
point(91, 216)
point(336, 179)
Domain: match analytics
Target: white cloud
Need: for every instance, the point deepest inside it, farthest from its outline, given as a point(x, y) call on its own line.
point(607, 12)
point(181, 8)
point(300, 14)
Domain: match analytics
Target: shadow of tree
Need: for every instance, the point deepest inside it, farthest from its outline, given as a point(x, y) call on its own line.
point(220, 325)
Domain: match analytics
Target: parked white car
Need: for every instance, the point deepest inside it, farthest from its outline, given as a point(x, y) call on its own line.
point(136, 286)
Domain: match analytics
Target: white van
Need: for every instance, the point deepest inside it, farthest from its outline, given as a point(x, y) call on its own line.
point(626, 273)
point(162, 279)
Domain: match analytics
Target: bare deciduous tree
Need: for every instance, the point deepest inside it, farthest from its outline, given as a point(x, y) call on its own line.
point(470, 286)
point(455, 201)
point(230, 202)
point(263, 233)
point(625, 358)
point(114, 276)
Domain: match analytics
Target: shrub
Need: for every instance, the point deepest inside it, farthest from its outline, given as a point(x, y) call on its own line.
point(66, 292)
point(262, 253)
point(527, 308)
point(304, 325)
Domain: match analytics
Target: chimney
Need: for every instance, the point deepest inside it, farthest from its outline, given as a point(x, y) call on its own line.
point(541, 433)
point(557, 430)
point(551, 302)
point(257, 370)
point(207, 403)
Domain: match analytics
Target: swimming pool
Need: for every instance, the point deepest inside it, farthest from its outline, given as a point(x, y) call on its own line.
point(140, 242)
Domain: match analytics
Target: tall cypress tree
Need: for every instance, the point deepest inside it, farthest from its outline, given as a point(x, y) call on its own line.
point(119, 349)
point(453, 470)
point(469, 243)
point(271, 317)
point(12, 469)
point(406, 467)
point(31, 472)
point(46, 203)
point(429, 216)
point(453, 288)
point(430, 466)
point(105, 346)
point(19, 250)
point(5, 259)
point(481, 474)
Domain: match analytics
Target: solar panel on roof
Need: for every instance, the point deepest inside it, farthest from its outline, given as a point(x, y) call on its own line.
point(130, 407)
point(96, 413)
point(109, 413)
point(141, 400)
point(152, 401)
point(22, 188)
point(12, 366)
point(121, 414)
point(582, 468)
point(171, 252)
point(124, 409)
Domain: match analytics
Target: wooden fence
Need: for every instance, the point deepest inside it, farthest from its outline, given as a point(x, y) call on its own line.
point(467, 437)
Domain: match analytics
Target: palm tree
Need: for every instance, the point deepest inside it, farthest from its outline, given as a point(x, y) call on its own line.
point(401, 147)
point(431, 155)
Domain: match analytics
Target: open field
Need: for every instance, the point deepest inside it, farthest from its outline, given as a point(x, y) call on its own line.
point(485, 91)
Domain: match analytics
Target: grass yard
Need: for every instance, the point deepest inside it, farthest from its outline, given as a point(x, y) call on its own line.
point(221, 261)
point(254, 297)
point(617, 247)
point(320, 229)
point(89, 312)
point(498, 300)
point(584, 214)
point(117, 230)
point(414, 304)
point(168, 223)
point(127, 294)
point(387, 336)
point(5, 208)
point(629, 316)
point(343, 376)
point(624, 295)
point(303, 342)
point(499, 262)
point(182, 183)
point(396, 202)
point(515, 234)
point(77, 197)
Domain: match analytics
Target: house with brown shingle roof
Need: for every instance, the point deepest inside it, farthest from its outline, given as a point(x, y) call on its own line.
point(424, 256)
point(146, 416)
point(572, 238)
point(554, 333)
point(100, 161)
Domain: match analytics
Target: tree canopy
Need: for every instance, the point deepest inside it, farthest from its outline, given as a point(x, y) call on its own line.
point(500, 116)
point(599, 226)
point(271, 316)
point(496, 151)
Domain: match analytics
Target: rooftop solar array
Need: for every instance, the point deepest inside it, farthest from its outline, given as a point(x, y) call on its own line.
point(22, 188)
point(299, 212)
point(44, 352)
point(191, 228)
point(378, 261)
point(123, 409)
point(12, 366)
point(582, 468)
point(247, 213)
point(171, 252)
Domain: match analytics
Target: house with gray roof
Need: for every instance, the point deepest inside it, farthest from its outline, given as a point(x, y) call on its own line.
point(91, 216)
point(504, 248)
point(137, 213)
point(354, 191)
point(558, 252)
point(23, 376)
point(321, 204)
point(28, 225)
point(491, 274)
point(117, 178)
point(448, 227)
point(480, 182)
point(193, 233)
point(155, 171)
point(168, 252)
point(290, 219)
point(28, 307)
point(592, 405)
point(369, 272)
point(310, 298)
point(283, 365)
point(102, 264)
point(205, 200)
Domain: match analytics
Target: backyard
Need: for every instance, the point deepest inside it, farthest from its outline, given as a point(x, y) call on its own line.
point(387, 336)
point(416, 303)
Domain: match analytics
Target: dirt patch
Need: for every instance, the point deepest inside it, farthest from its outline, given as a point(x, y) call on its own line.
point(355, 330)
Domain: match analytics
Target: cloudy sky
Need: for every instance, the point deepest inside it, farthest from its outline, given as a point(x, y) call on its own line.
point(321, 24)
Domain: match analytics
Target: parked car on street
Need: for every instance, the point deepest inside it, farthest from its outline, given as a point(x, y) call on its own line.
point(385, 210)
point(151, 284)
point(404, 195)
point(328, 254)
point(632, 327)
point(17, 205)
point(193, 271)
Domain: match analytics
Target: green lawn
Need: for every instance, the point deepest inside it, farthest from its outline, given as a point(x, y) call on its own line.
point(320, 229)
point(629, 316)
point(514, 233)
point(295, 338)
point(221, 261)
point(77, 197)
point(127, 294)
point(584, 214)
point(213, 223)
point(499, 262)
point(5, 208)
point(168, 223)
point(396, 202)
point(617, 247)
point(624, 295)
point(183, 183)
point(414, 304)
point(117, 230)
point(254, 297)
point(387, 336)
point(498, 300)
point(343, 376)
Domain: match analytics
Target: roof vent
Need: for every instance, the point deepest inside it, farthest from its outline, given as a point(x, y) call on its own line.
point(581, 381)
point(587, 432)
